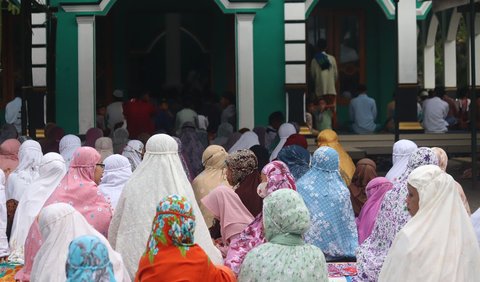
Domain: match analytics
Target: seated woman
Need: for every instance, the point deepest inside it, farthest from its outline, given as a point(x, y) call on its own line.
point(297, 159)
point(285, 257)
point(429, 249)
point(328, 200)
point(365, 171)
point(88, 260)
point(171, 254)
point(60, 224)
point(275, 176)
point(228, 209)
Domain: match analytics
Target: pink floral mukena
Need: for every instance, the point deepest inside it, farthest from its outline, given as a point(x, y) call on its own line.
point(278, 177)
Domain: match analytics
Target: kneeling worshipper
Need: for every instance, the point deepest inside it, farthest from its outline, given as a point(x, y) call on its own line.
point(242, 173)
point(79, 189)
point(285, 256)
point(132, 220)
point(59, 225)
point(329, 138)
point(134, 153)
point(333, 227)
point(29, 156)
point(262, 155)
point(88, 260)
point(68, 145)
point(116, 174)
point(104, 146)
point(120, 140)
point(171, 254)
point(213, 159)
point(246, 141)
point(183, 158)
point(51, 171)
point(365, 171)
point(275, 176)
point(296, 158)
point(402, 150)
point(91, 136)
point(285, 131)
point(192, 147)
point(438, 243)
point(225, 205)
point(9, 156)
point(442, 163)
point(375, 190)
point(391, 217)
point(53, 135)
point(224, 131)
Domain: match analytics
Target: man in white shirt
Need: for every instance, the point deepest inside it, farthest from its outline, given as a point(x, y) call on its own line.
point(435, 110)
point(13, 112)
point(115, 111)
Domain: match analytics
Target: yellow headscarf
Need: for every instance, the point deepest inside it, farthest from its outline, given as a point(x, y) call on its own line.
point(329, 138)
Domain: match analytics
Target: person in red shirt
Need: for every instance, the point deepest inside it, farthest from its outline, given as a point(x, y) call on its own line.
point(139, 113)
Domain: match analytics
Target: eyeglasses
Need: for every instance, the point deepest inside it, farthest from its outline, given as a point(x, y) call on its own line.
point(101, 165)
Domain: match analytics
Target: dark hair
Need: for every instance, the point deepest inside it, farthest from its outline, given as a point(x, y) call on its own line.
point(229, 96)
point(322, 44)
point(276, 117)
point(361, 88)
point(439, 91)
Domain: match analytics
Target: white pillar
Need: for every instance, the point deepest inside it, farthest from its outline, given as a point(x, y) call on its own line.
point(429, 55)
point(173, 49)
point(86, 73)
point(407, 42)
point(477, 53)
point(245, 68)
point(450, 51)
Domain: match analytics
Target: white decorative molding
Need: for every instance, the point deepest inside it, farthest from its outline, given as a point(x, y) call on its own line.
point(423, 9)
point(429, 54)
point(407, 42)
point(295, 52)
point(86, 73)
point(295, 31)
point(245, 70)
point(86, 8)
point(450, 51)
point(39, 77)
point(295, 74)
point(243, 6)
point(477, 53)
point(39, 36)
point(295, 11)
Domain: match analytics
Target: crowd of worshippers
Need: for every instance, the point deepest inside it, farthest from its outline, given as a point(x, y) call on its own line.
point(173, 209)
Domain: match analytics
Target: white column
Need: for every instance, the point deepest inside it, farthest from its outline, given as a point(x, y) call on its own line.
point(407, 42)
point(429, 55)
point(450, 51)
point(477, 53)
point(245, 68)
point(86, 73)
point(173, 49)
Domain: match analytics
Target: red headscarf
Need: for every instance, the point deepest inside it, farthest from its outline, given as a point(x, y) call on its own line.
point(297, 139)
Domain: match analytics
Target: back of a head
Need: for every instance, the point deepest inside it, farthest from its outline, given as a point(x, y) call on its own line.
point(430, 181)
point(276, 118)
point(115, 162)
point(214, 156)
point(51, 164)
point(326, 159)
point(284, 212)
point(69, 141)
point(440, 91)
point(135, 145)
point(322, 44)
point(161, 144)
point(442, 157)
point(422, 156)
point(85, 157)
point(30, 151)
point(50, 215)
point(403, 148)
point(361, 88)
point(327, 136)
point(10, 147)
point(286, 130)
point(104, 143)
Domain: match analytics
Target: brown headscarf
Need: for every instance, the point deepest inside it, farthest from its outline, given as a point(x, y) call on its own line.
point(365, 171)
point(245, 179)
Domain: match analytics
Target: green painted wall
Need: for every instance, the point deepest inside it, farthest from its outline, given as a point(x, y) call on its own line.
point(67, 73)
point(269, 59)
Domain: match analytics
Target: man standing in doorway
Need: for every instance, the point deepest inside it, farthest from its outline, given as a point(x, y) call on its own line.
point(324, 73)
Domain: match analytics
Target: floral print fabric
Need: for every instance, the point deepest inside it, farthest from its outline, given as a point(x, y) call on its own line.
point(278, 177)
point(242, 163)
point(333, 227)
point(88, 260)
point(296, 158)
point(285, 257)
point(393, 215)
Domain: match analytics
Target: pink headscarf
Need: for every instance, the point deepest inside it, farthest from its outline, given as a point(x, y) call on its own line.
point(9, 156)
point(226, 206)
point(79, 190)
point(278, 177)
point(375, 190)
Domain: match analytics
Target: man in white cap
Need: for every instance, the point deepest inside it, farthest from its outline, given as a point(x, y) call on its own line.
point(115, 111)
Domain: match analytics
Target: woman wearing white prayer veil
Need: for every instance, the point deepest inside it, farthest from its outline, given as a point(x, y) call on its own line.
point(68, 144)
point(402, 150)
point(29, 157)
point(284, 132)
point(51, 171)
point(246, 141)
point(159, 174)
point(438, 243)
point(134, 153)
point(59, 224)
point(4, 251)
point(116, 173)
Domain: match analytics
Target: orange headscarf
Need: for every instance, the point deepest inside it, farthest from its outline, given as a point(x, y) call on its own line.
point(171, 254)
point(329, 138)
